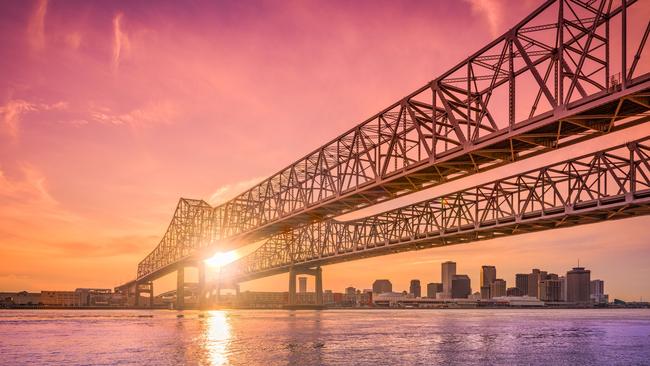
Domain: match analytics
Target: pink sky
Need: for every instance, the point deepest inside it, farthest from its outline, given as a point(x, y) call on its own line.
point(110, 111)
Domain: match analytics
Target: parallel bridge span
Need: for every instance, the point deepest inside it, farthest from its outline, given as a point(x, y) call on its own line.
point(605, 185)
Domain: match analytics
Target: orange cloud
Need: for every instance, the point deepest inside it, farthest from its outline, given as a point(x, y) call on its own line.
point(12, 111)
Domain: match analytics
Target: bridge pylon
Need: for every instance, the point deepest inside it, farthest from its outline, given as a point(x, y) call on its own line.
point(316, 272)
point(180, 287)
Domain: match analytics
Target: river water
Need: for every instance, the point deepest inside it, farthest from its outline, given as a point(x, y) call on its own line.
point(331, 337)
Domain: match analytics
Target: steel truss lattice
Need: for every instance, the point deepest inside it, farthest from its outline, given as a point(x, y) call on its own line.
point(548, 82)
point(609, 184)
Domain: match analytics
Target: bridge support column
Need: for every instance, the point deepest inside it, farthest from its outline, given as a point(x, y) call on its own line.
point(180, 288)
point(319, 286)
point(143, 288)
point(136, 292)
point(202, 291)
point(151, 294)
point(316, 272)
point(292, 286)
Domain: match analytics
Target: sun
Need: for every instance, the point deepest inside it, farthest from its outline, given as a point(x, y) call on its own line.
point(221, 259)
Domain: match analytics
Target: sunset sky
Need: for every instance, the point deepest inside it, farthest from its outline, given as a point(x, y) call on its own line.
point(111, 111)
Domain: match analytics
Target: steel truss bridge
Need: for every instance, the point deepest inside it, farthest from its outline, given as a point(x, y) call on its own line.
point(570, 71)
point(606, 185)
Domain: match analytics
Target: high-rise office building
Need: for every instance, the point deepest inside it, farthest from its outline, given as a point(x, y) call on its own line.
point(448, 271)
point(382, 286)
point(533, 282)
point(461, 286)
point(498, 288)
point(562, 288)
point(488, 275)
point(550, 289)
point(302, 285)
point(415, 289)
point(433, 288)
point(578, 281)
point(598, 292)
point(514, 291)
point(521, 282)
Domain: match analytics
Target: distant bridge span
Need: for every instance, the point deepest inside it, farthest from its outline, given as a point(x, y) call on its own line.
point(566, 73)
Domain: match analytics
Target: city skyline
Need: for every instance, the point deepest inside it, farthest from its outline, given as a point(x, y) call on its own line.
point(324, 182)
point(90, 172)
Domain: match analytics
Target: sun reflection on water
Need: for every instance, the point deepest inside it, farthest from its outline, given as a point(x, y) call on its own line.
point(218, 334)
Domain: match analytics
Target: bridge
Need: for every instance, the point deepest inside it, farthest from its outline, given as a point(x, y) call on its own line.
point(570, 71)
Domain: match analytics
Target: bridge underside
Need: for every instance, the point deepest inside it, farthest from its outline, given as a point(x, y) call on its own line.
point(607, 185)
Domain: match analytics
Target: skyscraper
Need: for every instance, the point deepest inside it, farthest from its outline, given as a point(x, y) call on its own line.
point(533, 282)
point(382, 286)
point(598, 292)
point(485, 292)
point(448, 271)
point(578, 282)
point(415, 289)
point(521, 282)
point(488, 275)
point(498, 288)
point(433, 288)
point(302, 285)
point(550, 289)
point(461, 286)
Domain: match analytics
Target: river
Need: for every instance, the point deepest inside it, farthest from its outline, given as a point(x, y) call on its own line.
point(329, 337)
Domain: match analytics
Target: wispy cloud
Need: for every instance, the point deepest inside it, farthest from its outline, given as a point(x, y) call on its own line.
point(120, 41)
point(25, 197)
point(229, 191)
point(13, 110)
point(160, 112)
point(492, 10)
point(36, 25)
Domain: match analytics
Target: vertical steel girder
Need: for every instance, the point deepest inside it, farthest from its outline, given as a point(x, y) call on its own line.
point(608, 184)
point(546, 83)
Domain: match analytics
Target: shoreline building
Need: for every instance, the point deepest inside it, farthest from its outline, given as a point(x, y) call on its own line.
point(578, 285)
point(550, 289)
point(488, 275)
point(598, 295)
point(415, 289)
point(563, 288)
point(521, 282)
point(448, 271)
point(461, 287)
point(498, 288)
point(433, 289)
point(382, 286)
point(534, 279)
